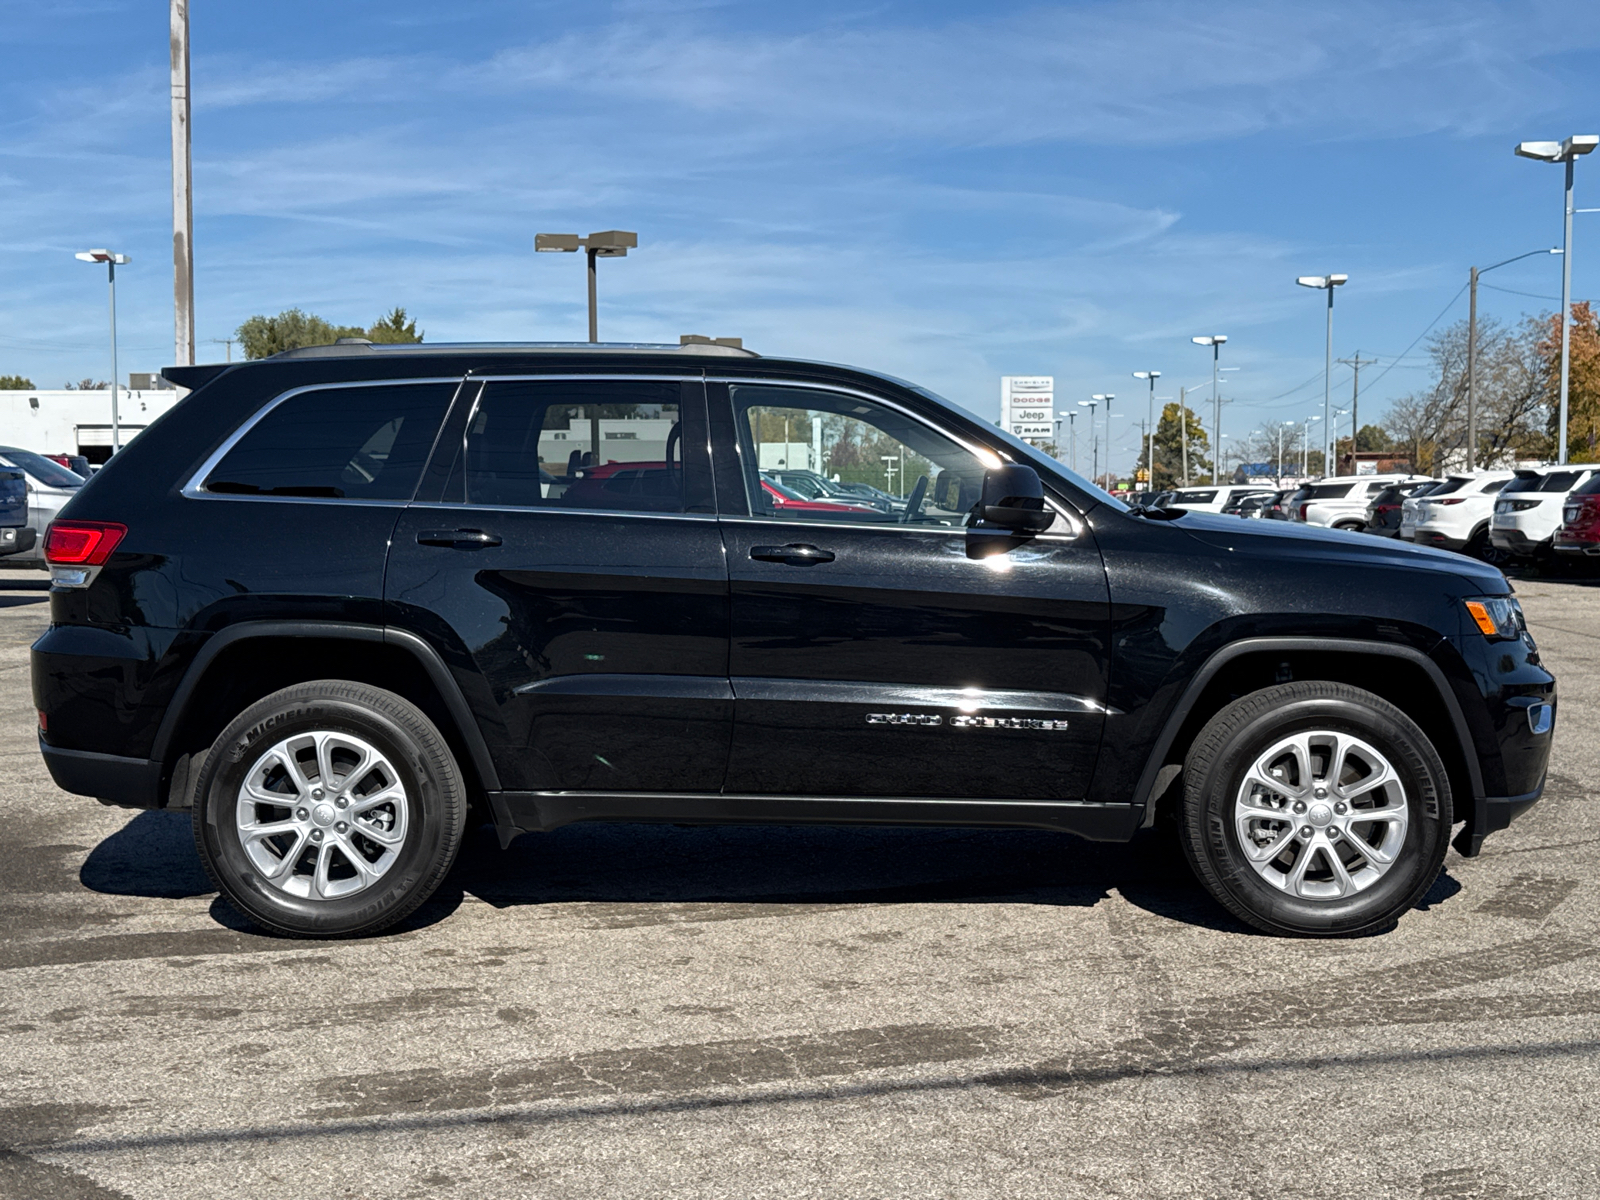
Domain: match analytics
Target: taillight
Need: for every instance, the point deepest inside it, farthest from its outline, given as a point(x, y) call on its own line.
point(82, 543)
point(1303, 508)
point(1451, 500)
point(1387, 508)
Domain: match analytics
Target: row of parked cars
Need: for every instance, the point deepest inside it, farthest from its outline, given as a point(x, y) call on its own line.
point(1524, 515)
point(33, 489)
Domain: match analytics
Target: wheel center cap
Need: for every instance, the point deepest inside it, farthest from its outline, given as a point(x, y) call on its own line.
point(1319, 815)
point(323, 814)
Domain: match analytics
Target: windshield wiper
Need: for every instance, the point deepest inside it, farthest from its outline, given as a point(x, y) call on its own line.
point(314, 491)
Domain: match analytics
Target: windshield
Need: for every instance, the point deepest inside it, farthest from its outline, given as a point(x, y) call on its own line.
point(1023, 452)
point(45, 472)
point(1445, 488)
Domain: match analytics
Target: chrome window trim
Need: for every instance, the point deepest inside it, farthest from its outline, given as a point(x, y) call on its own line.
point(977, 451)
point(553, 511)
point(193, 490)
point(566, 375)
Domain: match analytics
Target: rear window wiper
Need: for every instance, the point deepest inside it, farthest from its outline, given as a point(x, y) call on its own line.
point(315, 491)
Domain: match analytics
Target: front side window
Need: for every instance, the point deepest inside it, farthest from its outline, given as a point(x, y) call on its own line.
point(575, 444)
point(357, 443)
point(822, 456)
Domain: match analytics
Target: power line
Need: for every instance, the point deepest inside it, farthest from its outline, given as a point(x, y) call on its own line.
point(1421, 335)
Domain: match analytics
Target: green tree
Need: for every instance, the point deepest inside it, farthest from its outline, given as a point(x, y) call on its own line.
point(1374, 439)
point(1169, 439)
point(15, 383)
point(88, 385)
point(291, 329)
point(395, 327)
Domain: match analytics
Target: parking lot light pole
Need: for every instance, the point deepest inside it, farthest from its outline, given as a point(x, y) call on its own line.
point(1106, 398)
point(613, 243)
point(1150, 441)
point(1326, 283)
point(1215, 341)
point(1094, 436)
point(1563, 152)
point(112, 262)
point(1305, 448)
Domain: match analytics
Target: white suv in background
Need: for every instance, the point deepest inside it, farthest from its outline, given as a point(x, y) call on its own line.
point(1214, 499)
point(1527, 511)
point(1341, 502)
point(1455, 515)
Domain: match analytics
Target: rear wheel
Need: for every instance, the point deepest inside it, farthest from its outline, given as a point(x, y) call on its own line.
point(329, 809)
point(1315, 808)
point(1484, 550)
point(1350, 526)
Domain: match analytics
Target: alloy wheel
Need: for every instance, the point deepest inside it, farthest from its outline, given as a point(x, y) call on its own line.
point(322, 815)
point(1321, 815)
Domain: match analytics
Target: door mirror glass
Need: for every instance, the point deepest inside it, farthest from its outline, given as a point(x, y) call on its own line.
point(1013, 498)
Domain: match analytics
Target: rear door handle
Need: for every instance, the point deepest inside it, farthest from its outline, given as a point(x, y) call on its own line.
point(459, 539)
point(794, 555)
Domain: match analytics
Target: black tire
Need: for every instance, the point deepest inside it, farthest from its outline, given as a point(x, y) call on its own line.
point(1214, 774)
point(431, 826)
point(1484, 550)
point(1350, 526)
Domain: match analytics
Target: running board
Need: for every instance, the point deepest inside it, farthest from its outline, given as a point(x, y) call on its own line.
point(531, 812)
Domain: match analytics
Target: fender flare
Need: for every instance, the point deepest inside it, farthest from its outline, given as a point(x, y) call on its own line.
point(427, 657)
point(1208, 670)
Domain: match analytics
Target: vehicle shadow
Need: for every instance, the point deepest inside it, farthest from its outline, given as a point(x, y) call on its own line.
point(647, 874)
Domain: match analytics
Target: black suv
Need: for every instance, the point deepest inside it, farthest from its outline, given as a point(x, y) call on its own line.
point(337, 598)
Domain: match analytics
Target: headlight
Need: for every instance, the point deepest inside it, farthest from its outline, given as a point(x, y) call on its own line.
point(1498, 616)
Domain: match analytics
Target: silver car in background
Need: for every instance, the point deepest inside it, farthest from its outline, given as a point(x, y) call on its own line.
point(50, 486)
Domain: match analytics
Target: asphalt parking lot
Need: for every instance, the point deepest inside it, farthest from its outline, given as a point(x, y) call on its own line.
point(653, 1011)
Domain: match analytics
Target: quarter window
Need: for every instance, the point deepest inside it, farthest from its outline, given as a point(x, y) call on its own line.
point(359, 443)
point(587, 444)
point(823, 456)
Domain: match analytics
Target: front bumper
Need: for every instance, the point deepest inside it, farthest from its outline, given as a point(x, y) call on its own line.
point(1494, 814)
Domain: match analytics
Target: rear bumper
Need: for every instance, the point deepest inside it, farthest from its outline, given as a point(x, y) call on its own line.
point(1574, 546)
point(1514, 541)
point(17, 540)
point(1438, 540)
point(109, 778)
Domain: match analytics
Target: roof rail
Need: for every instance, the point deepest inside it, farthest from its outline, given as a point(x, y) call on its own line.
point(351, 347)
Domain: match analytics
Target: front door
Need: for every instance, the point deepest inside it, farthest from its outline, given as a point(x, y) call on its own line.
point(569, 570)
point(876, 652)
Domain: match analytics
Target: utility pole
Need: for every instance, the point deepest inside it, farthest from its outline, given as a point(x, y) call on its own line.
point(1355, 364)
point(1472, 376)
point(182, 191)
point(228, 342)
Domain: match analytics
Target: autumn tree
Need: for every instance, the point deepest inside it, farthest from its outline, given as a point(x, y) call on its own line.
point(1583, 381)
point(1169, 442)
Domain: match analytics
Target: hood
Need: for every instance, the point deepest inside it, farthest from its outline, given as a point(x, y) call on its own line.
point(1287, 540)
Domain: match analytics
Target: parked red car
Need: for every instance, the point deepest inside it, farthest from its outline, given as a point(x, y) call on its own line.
point(785, 500)
point(1580, 521)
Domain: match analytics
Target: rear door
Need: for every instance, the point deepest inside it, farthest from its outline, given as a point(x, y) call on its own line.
point(564, 559)
point(875, 651)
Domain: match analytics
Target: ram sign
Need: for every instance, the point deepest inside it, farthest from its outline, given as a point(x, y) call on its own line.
point(1028, 406)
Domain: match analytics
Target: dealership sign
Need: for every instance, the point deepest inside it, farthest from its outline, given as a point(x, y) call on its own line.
point(1028, 405)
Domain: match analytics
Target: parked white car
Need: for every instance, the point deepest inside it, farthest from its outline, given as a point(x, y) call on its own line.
point(1341, 503)
point(1527, 512)
point(1455, 515)
point(50, 486)
point(1214, 499)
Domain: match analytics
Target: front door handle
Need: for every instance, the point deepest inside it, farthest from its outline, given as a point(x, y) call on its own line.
point(457, 539)
point(794, 555)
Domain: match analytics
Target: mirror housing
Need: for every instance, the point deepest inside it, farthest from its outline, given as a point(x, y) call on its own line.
point(1013, 498)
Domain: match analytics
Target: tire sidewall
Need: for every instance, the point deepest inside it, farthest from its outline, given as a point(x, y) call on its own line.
point(236, 754)
point(1427, 829)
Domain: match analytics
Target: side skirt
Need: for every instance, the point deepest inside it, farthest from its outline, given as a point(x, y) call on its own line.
point(529, 812)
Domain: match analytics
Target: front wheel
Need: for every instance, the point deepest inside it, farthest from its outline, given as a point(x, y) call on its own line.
point(329, 809)
point(1316, 809)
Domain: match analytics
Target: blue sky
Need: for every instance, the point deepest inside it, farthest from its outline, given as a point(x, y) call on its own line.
point(948, 192)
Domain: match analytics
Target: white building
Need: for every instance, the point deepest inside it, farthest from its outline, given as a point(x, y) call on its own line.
point(52, 421)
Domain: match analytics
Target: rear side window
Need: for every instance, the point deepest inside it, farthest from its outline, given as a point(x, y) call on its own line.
point(1330, 491)
point(576, 444)
point(1194, 497)
point(356, 443)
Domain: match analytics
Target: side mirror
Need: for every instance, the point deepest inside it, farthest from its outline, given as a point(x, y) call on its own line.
point(1013, 498)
